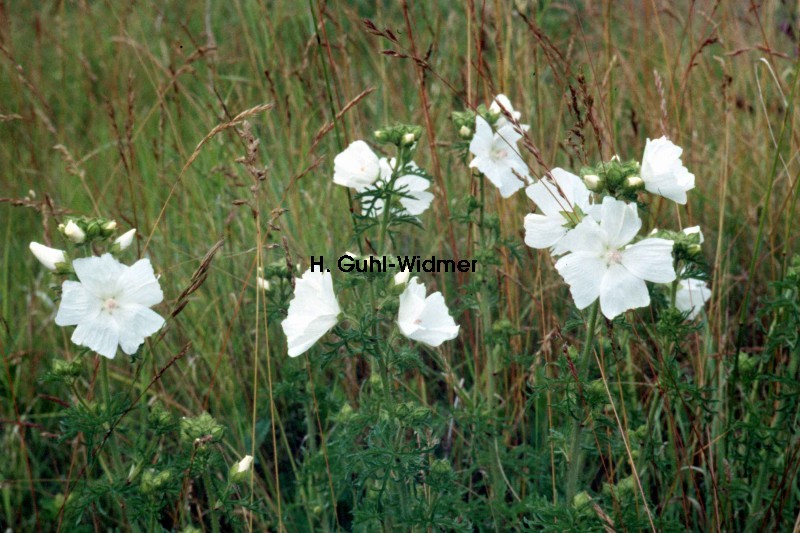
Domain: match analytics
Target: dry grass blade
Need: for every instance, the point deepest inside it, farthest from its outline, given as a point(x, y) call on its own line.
point(235, 121)
point(324, 130)
point(198, 278)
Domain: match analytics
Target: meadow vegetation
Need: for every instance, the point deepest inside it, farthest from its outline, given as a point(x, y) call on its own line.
point(212, 128)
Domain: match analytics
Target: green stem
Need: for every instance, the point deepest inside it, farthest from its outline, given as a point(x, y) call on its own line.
point(576, 454)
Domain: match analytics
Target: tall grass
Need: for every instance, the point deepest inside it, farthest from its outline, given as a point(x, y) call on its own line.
point(104, 107)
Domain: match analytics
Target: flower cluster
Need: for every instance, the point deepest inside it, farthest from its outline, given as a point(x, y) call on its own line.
point(595, 244)
point(396, 181)
point(109, 302)
point(314, 310)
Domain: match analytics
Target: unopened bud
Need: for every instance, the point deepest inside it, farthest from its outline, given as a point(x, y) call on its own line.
point(111, 225)
point(74, 232)
point(262, 283)
point(465, 132)
point(635, 182)
point(125, 240)
point(49, 257)
point(592, 181)
point(409, 139)
point(401, 278)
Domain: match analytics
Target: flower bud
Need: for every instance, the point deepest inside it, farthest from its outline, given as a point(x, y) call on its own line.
point(238, 472)
point(581, 500)
point(111, 225)
point(635, 182)
point(74, 232)
point(125, 240)
point(401, 278)
point(465, 132)
point(262, 284)
point(694, 230)
point(49, 257)
point(592, 181)
point(409, 139)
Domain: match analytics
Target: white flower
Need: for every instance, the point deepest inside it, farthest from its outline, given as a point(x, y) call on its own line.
point(422, 319)
point(245, 464)
point(47, 256)
point(111, 304)
point(692, 294)
point(74, 232)
point(312, 311)
point(356, 167)
point(401, 278)
point(602, 264)
point(663, 172)
point(415, 197)
point(126, 239)
point(558, 202)
point(500, 103)
point(497, 158)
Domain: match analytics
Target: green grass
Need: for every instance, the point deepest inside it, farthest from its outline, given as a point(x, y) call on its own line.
point(130, 90)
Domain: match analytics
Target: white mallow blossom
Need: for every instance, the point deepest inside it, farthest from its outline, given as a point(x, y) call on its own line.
point(663, 171)
point(500, 103)
point(110, 304)
point(126, 239)
point(692, 294)
point(415, 197)
point(497, 158)
point(357, 167)
point(557, 200)
point(422, 319)
point(49, 257)
point(601, 263)
point(312, 312)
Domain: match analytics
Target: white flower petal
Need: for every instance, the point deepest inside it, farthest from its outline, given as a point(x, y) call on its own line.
point(587, 237)
point(100, 334)
point(137, 323)
point(139, 285)
point(77, 305)
point(650, 259)
point(543, 231)
point(621, 290)
point(99, 274)
point(620, 221)
point(583, 272)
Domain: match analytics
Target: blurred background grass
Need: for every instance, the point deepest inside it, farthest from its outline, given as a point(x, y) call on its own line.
point(129, 90)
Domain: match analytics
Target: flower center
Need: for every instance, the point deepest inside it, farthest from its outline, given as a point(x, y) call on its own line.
point(110, 305)
point(614, 256)
point(498, 153)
